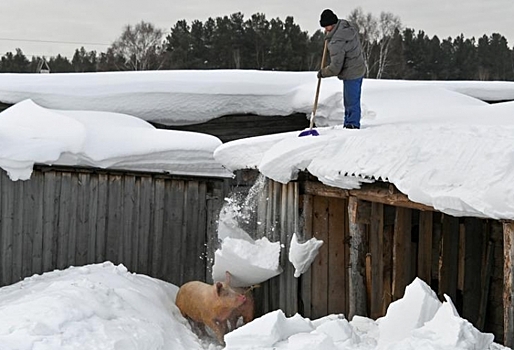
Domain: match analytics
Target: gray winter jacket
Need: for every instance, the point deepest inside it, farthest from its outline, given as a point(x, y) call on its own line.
point(346, 59)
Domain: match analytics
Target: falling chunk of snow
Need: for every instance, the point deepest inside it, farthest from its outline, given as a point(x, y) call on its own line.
point(249, 262)
point(301, 255)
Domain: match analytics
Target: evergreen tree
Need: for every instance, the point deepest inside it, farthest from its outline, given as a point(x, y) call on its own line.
point(109, 61)
point(60, 64)
point(315, 50)
point(84, 61)
point(465, 63)
point(297, 46)
point(446, 60)
point(257, 32)
point(15, 63)
point(495, 58)
point(198, 46)
point(178, 44)
point(222, 50)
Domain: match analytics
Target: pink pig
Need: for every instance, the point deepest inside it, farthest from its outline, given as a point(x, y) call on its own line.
point(210, 305)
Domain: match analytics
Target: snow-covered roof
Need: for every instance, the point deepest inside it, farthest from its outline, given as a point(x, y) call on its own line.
point(438, 142)
point(438, 146)
point(171, 97)
point(31, 134)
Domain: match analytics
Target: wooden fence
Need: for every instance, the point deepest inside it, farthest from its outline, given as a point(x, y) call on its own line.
point(154, 224)
point(375, 243)
point(164, 226)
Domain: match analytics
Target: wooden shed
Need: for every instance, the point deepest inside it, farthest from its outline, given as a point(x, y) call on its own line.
point(153, 223)
point(376, 242)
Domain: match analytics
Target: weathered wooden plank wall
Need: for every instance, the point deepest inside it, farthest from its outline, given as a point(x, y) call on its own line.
point(324, 287)
point(279, 205)
point(152, 223)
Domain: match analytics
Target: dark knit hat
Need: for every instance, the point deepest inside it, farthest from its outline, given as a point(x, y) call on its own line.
point(327, 18)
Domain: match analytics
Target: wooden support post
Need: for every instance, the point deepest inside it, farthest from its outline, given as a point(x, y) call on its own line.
point(389, 217)
point(306, 279)
point(473, 251)
point(376, 245)
point(449, 257)
point(320, 266)
point(401, 252)
point(425, 246)
point(508, 291)
point(337, 257)
point(357, 276)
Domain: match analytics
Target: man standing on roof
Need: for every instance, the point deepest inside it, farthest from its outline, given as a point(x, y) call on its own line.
point(346, 62)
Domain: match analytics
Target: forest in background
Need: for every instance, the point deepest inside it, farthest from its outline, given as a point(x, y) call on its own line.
point(233, 42)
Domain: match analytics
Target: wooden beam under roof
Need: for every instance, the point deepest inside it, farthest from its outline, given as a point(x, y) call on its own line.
point(375, 192)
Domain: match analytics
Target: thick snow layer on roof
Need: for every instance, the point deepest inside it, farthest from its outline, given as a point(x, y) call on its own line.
point(440, 147)
point(438, 142)
point(175, 97)
point(30, 134)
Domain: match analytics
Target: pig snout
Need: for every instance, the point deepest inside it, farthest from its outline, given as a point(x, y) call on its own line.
point(241, 298)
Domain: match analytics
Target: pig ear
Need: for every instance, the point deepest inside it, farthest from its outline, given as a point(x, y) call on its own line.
point(219, 287)
point(228, 276)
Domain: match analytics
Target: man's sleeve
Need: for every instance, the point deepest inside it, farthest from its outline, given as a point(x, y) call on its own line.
point(337, 56)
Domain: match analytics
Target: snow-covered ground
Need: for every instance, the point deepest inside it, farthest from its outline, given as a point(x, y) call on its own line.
point(106, 307)
point(436, 141)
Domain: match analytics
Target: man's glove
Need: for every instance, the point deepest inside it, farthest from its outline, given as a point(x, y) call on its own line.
point(320, 74)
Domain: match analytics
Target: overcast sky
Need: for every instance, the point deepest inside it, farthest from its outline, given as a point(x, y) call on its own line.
point(61, 26)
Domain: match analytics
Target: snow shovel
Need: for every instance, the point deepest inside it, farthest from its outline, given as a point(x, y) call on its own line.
point(311, 131)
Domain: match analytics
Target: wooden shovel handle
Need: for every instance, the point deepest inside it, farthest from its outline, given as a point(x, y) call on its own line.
point(319, 84)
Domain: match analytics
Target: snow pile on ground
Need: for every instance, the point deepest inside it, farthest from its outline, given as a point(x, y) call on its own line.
point(103, 306)
point(418, 321)
point(92, 307)
point(30, 134)
point(441, 148)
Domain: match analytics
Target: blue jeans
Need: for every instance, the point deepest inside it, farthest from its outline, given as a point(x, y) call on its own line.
point(352, 102)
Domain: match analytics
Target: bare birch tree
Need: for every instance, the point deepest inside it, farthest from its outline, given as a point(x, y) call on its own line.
point(140, 46)
point(375, 35)
point(368, 34)
point(387, 26)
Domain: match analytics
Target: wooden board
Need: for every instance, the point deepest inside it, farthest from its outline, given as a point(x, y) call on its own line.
point(356, 269)
point(306, 229)
point(449, 257)
point(508, 281)
point(401, 252)
point(425, 246)
point(320, 265)
point(337, 259)
point(376, 248)
point(473, 250)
